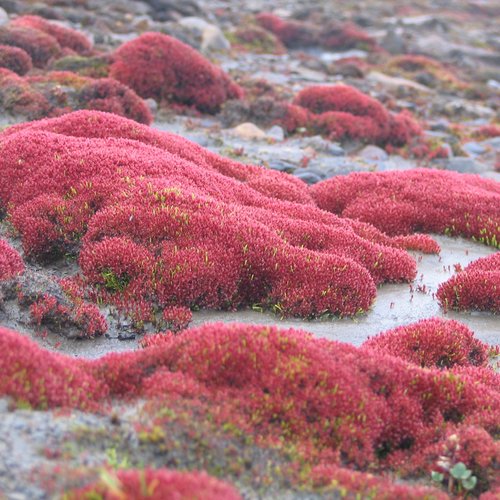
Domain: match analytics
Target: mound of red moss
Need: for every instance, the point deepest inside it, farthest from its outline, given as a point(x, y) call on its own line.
point(292, 33)
point(67, 38)
point(15, 59)
point(160, 484)
point(58, 92)
point(159, 221)
point(19, 98)
point(11, 263)
point(40, 46)
point(424, 70)
point(336, 405)
point(477, 287)
point(343, 112)
point(416, 200)
point(160, 67)
point(296, 34)
point(433, 343)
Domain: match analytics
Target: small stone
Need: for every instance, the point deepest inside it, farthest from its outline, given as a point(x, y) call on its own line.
point(307, 177)
point(152, 105)
point(463, 165)
point(4, 17)
point(277, 133)
point(196, 25)
point(474, 148)
point(214, 39)
point(373, 153)
point(248, 131)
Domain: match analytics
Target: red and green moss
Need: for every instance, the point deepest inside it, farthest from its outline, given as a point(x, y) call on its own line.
point(11, 263)
point(418, 200)
point(477, 287)
point(336, 408)
point(159, 484)
point(160, 67)
point(433, 343)
point(15, 59)
point(163, 223)
point(343, 112)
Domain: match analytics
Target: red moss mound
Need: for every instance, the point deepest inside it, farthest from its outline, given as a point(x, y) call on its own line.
point(15, 59)
point(416, 200)
point(358, 406)
point(161, 67)
point(160, 221)
point(39, 379)
point(334, 479)
point(39, 45)
point(433, 343)
point(19, 98)
point(107, 94)
point(11, 263)
point(41, 95)
point(66, 37)
point(477, 287)
point(342, 112)
point(291, 33)
point(161, 484)
point(346, 36)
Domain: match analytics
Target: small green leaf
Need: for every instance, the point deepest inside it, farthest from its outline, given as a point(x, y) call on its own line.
point(469, 483)
point(459, 471)
point(437, 476)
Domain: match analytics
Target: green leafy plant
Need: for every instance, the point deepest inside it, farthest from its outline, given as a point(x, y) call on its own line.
point(458, 475)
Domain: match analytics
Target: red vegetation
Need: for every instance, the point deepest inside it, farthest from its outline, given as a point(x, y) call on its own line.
point(346, 36)
point(107, 94)
point(257, 40)
point(427, 200)
point(86, 317)
point(11, 263)
point(487, 131)
point(161, 67)
point(15, 59)
point(333, 479)
point(163, 222)
point(177, 318)
point(67, 38)
point(35, 377)
point(161, 484)
point(433, 343)
point(291, 33)
point(58, 92)
point(341, 112)
point(477, 287)
point(336, 404)
point(294, 34)
point(39, 45)
point(19, 98)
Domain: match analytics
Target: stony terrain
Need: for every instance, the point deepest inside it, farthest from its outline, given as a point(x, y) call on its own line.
point(114, 231)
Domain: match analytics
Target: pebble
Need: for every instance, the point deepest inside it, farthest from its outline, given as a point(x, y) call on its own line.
point(277, 133)
point(248, 131)
point(462, 164)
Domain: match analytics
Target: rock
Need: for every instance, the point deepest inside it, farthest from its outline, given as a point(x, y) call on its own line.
point(4, 17)
point(462, 164)
point(373, 153)
point(152, 105)
point(394, 41)
point(213, 39)
point(277, 133)
point(395, 82)
point(248, 131)
point(463, 108)
point(196, 25)
point(307, 177)
point(474, 148)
